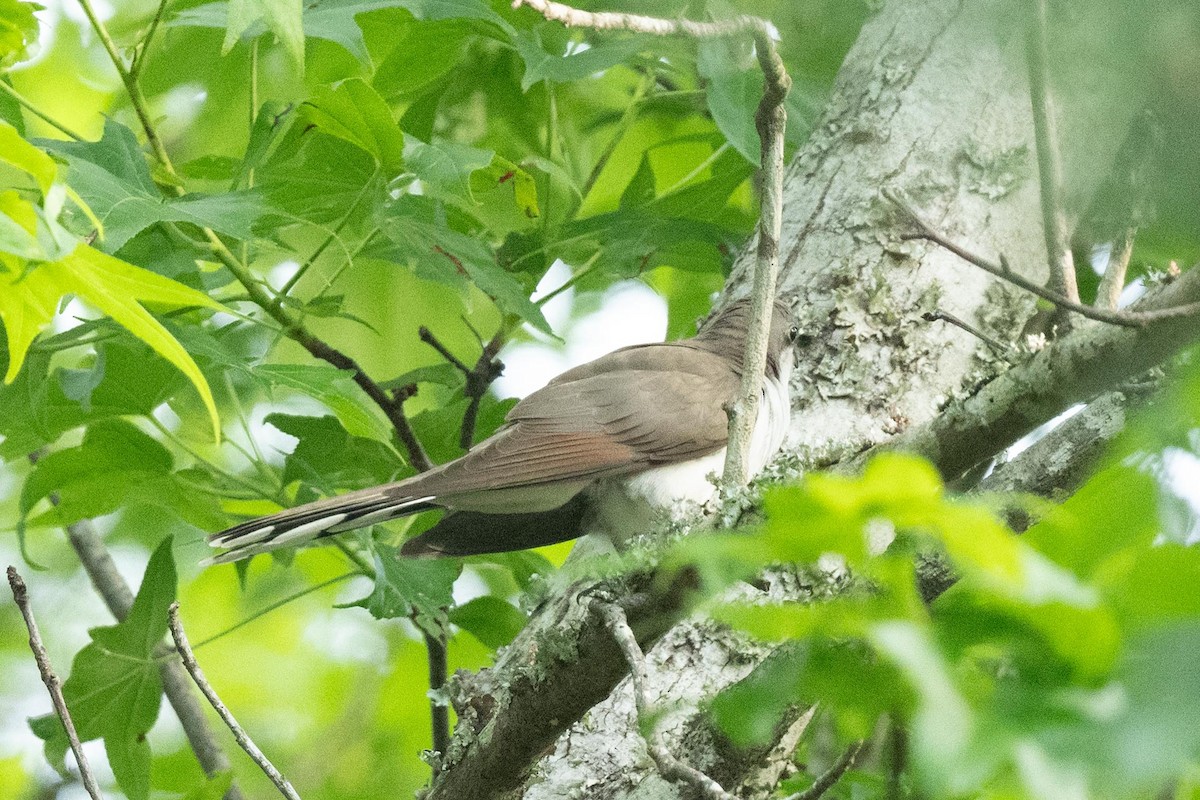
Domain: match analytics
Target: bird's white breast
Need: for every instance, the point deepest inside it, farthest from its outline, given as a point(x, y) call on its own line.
point(638, 503)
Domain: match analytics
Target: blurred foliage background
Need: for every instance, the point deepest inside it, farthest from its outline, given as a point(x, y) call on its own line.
point(375, 166)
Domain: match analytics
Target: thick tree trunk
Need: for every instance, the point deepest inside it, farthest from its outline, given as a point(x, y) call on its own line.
point(933, 103)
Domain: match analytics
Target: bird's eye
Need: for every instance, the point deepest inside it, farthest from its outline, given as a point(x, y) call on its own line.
point(793, 334)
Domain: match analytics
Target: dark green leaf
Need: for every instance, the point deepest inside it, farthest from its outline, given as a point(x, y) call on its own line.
point(330, 459)
point(572, 66)
point(112, 177)
point(416, 588)
point(114, 690)
point(735, 87)
point(489, 619)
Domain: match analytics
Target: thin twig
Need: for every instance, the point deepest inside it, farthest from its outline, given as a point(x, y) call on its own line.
point(439, 710)
point(946, 316)
point(770, 120)
point(1127, 319)
point(53, 684)
point(478, 378)
point(831, 776)
point(668, 765)
point(1050, 167)
point(24, 102)
point(139, 59)
point(239, 735)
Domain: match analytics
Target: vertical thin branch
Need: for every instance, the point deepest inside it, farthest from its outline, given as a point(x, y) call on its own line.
point(1112, 282)
point(439, 709)
point(53, 685)
point(1050, 168)
point(239, 734)
point(668, 765)
point(770, 119)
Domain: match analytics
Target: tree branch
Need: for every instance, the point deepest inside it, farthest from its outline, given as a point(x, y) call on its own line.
point(53, 685)
point(831, 776)
point(1070, 370)
point(563, 663)
point(1128, 319)
point(1050, 169)
point(668, 765)
point(240, 735)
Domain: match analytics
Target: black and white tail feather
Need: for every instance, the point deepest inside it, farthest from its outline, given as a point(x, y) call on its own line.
point(318, 520)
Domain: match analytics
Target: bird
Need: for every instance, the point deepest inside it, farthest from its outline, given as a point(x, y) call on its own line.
point(608, 446)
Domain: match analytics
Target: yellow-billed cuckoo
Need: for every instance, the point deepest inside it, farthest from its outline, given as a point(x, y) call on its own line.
point(604, 446)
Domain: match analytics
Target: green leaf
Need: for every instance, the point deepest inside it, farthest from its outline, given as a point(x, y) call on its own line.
point(91, 479)
point(1116, 509)
point(355, 112)
point(336, 20)
point(18, 30)
point(735, 87)
point(502, 172)
point(489, 619)
point(943, 723)
point(417, 588)
point(112, 177)
point(333, 387)
point(571, 66)
point(328, 458)
point(114, 691)
point(446, 167)
point(18, 153)
point(453, 258)
point(425, 53)
point(281, 17)
point(117, 289)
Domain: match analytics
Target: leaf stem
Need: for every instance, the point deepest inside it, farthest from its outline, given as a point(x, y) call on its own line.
point(262, 612)
point(22, 101)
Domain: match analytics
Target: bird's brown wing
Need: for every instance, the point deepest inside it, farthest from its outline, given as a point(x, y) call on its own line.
point(603, 422)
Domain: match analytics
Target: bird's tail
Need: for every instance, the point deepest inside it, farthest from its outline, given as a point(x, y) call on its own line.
point(314, 520)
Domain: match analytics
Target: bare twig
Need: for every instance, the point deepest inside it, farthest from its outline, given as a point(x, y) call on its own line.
point(478, 378)
point(1127, 319)
point(1050, 168)
point(53, 685)
point(189, 663)
point(945, 316)
point(670, 766)
point(770, 119)
point(831, 776)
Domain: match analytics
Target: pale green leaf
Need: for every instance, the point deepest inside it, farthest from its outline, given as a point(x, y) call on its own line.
point(281, 17)
point(17, 152)
point(355, 112)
